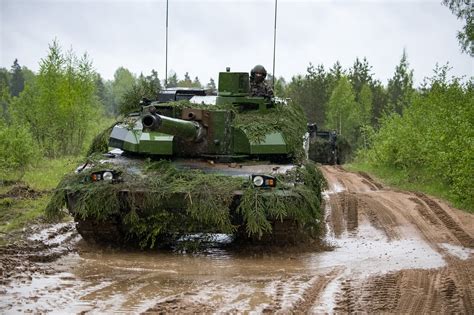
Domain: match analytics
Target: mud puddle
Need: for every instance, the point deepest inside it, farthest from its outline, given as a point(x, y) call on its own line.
point(393, 252)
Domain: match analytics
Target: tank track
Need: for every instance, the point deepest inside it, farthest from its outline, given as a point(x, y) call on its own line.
point(286, 232)
point(100, 232)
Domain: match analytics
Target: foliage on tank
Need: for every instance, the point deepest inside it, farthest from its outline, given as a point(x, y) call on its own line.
point(320, 150)
point(288, 118)
point(207, 200)
point(100, 142)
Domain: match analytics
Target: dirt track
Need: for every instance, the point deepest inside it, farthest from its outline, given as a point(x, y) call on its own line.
point(394, 252)
point(443, 235)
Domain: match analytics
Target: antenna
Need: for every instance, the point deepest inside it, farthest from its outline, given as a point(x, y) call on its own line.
point(274, 42)
point(166, 58)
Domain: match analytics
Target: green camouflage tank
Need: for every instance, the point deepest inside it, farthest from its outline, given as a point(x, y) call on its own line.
point(194, 163)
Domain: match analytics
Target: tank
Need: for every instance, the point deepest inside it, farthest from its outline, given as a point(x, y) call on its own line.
point(195, 164)
point(327, 147)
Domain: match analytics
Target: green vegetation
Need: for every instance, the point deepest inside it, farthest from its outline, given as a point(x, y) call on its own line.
point(17, 150)
point(16, 213)
point(431, 144)
point(23, 202)
point(47, 120)
point(464, 11)
point(65, 107)
point(421, 136)
point(288, 119)
point(179, 202)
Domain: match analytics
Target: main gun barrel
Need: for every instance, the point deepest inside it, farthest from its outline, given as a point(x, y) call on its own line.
point(189, 130)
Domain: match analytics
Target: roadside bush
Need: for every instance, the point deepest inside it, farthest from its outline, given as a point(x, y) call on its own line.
point(434, 139)
point(17, 151)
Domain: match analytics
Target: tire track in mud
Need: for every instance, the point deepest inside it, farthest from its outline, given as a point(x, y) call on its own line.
point(312, 294)
point(425, 212)
point(277, 300)
point(177, 305)
point(417, 291)
point(382, 294)
point(345, 300)
point(368, 180)
point(403, 215)
point(344, 213)
point(384, 242)
point(464, 238)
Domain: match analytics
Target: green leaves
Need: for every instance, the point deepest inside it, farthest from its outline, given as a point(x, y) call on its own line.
point(433, 140)
point(60, 107)
point(17, 150)
point(343, 113)
point(463, 11)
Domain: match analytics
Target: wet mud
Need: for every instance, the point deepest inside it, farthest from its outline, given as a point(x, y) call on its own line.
point(392, 252)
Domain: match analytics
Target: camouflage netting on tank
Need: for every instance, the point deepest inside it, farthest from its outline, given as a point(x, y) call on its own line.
point(100, 143)
point(204, 202)
point(320, 150)
point(289, 119)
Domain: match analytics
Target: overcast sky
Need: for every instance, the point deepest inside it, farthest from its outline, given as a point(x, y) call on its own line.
point(207, 36)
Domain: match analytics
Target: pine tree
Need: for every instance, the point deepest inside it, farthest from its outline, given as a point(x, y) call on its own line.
point(280, 87)
point(145, 87)
point(196, 83)
point(379, 101)
point(17, 82)
point(154, 81)
point(172, 80)
point(400, 86)
point(211, 87)
point(100, 89)
point(336, 72)
point(360, 74)
point(186, 82)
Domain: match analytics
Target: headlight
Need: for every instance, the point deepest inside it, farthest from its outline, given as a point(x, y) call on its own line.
point(258, 181)
point(263, 181)
point(107, 176)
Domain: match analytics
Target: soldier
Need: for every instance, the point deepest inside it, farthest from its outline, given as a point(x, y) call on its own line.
point(258, 86)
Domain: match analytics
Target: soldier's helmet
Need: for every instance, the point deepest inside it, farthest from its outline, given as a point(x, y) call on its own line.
point(258, 74)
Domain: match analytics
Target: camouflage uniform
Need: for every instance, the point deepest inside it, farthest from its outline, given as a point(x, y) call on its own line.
point(258, 86)
point(261, 89)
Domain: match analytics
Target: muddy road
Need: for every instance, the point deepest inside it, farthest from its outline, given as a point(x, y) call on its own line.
point(394, 251)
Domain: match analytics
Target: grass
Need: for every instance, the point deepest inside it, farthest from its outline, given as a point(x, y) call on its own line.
point(398, 178)
point(47, 174)
point(16, 212)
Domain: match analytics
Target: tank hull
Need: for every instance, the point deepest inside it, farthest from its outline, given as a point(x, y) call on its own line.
point(133, 207)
